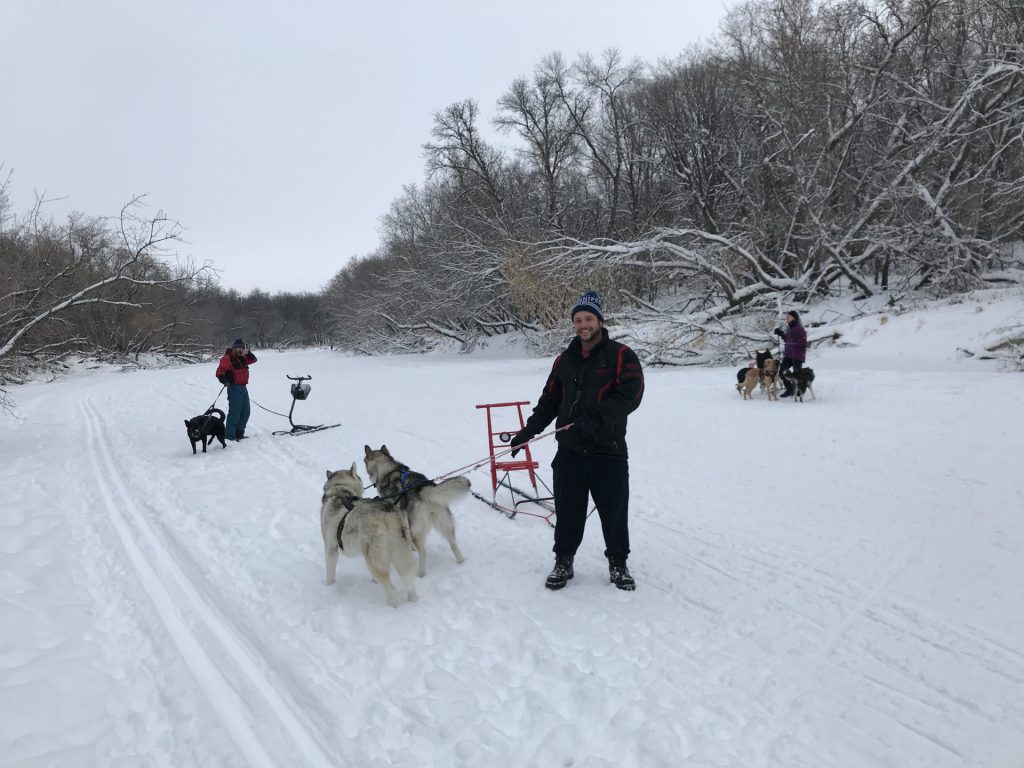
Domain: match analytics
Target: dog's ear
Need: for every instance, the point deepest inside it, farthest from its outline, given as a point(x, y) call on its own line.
point(367, 449)
point(186, 422)
point(353, 470)
point(329, 473)
point(384, 449)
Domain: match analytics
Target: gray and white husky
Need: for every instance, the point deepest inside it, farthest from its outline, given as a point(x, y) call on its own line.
point(424, 501)
point(373, 528)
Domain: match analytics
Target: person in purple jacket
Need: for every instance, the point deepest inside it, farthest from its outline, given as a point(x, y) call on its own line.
point(795, 351)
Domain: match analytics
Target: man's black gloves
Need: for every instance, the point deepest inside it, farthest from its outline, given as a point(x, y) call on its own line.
point(228, 377)
point(585, 426)
point(780, 333)
point(523, 436)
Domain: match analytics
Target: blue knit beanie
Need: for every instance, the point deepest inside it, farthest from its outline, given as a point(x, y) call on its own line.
point(239, 342)
point(588, 302)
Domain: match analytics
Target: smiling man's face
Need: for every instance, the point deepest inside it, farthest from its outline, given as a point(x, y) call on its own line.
point(587, 326)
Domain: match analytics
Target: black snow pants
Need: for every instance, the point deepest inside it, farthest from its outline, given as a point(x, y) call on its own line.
point(606, 479)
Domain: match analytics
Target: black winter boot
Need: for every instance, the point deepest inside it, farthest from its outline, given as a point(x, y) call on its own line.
point(618, 574)
point(561, 573)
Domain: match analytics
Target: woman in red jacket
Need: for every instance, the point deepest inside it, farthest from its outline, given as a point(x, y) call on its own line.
point(233, 372)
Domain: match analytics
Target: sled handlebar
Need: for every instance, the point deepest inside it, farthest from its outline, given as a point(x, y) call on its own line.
point(298, 378)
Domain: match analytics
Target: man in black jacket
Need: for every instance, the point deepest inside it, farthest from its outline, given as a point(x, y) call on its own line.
point(594, 385)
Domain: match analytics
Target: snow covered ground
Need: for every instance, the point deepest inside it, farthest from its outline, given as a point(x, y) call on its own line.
point(832, 584)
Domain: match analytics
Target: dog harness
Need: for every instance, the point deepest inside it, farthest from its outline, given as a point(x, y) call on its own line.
point(350, 503)
point(405, 486)
point(404, 479)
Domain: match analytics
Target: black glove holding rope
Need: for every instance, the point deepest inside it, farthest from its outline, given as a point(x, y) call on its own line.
point(522, 437)
point(586, 426)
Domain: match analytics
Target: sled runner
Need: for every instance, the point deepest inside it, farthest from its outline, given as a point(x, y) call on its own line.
point(501, 467)
point(300, 391)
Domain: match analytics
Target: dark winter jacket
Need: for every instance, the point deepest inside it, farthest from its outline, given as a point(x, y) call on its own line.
point(234, 369)
point(796, 342)
point(602, 389)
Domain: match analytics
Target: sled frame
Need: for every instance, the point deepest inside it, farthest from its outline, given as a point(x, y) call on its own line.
point(500, 468)
point(301, 429)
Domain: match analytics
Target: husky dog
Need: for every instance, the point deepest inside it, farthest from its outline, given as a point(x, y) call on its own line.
point(801, 383)
point(206, 428)
point(372, 528)
point(425, 502)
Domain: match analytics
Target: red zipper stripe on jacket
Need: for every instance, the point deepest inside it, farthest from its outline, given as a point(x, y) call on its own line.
point(615, 381)
point(552, 378)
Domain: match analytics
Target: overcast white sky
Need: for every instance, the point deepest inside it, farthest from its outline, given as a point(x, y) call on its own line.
point(277, 132)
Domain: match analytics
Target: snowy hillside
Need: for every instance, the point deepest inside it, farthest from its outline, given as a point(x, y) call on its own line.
point(836, 583)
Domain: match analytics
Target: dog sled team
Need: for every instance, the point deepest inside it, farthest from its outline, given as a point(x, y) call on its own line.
point(766, 372)
point(593, 387)
point(386, 530)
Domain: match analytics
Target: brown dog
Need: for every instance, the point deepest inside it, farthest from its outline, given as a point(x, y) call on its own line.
point(750, 381)
point(770, 379)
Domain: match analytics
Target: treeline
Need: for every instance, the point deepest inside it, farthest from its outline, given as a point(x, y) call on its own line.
point(814, 147)
point(113, 289)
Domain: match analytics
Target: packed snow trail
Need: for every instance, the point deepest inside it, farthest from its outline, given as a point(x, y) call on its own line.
point(827, 584)
point(180, 604)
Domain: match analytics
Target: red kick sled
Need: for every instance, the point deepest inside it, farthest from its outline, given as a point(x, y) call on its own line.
point(502, 464)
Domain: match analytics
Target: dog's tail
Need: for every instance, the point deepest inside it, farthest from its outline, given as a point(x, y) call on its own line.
point(447, 492)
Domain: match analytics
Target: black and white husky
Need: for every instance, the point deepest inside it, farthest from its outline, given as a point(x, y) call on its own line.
point(373, 528)
point(424, 501)
point(801, 383)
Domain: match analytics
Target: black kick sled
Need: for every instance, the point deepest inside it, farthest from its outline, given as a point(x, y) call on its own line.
point(300, 391)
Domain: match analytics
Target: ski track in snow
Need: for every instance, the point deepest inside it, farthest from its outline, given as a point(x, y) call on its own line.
point(181, 606)
point(855, 618)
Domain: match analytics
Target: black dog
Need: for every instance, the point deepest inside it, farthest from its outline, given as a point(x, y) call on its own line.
point(801, 382)
point(206, 428)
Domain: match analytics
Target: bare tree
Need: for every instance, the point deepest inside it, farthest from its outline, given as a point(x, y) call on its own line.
point(87, 269)
point(815, 148)
point(534, 111)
